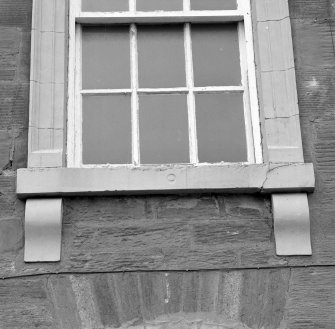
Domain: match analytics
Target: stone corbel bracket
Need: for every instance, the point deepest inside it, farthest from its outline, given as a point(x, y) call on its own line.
point(291, 224)
point(43, 230)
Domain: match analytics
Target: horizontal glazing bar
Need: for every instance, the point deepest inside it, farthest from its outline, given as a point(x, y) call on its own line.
point(206, 16)
point(105, 91)
point(206, 90)
point(162, 90)
point(197, 90)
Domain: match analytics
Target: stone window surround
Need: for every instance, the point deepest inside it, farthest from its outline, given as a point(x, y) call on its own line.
point(283, 174)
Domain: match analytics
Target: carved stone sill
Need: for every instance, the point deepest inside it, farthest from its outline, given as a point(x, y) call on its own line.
point(265, 178)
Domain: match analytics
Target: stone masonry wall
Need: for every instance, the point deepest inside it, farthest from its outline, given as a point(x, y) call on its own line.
point(124, 259)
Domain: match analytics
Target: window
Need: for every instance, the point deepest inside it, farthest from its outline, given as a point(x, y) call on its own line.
point(274, 163)
point(162, 82)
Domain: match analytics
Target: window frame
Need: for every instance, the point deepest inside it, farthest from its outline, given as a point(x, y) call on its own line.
point(248, 75)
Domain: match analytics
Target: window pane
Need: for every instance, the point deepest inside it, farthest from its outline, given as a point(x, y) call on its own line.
point(221, 128)
point(216, 56)
point(161, 56)
point(104, 5)
point(106, 129)
point(106, 57)
point(163, 129)
point(147, 5)
point(213, 4)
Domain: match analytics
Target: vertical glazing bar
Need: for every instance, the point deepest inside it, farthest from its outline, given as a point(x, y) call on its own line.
point(134, 87)
point(134, 96)
point(190, 97)
point(132, 6)
point(193, 145)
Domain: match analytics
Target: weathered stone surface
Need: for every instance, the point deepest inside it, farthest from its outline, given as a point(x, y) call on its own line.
point(134, 233)
point(25, 304)
point(10, 206)
point(11, 235)
point(234, 178)
point(310, 298)
point(14, 89)
point(302, 9)
point(5, 150)
point(16, 13)
point(264, 298)
point(277, 298)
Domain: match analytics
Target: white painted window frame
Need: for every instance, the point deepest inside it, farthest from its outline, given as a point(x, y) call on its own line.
point(187, 16)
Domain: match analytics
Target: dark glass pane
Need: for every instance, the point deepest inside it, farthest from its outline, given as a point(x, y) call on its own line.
point(213, 4)
point(163, 129)
point(221, 128)
point(106, 57)
point(216, 57)
point(161, 56)
point(105, 5)
point(106, 129)
point(148, 5)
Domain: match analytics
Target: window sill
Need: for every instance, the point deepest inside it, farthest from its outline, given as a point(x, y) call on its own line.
point(264, 178)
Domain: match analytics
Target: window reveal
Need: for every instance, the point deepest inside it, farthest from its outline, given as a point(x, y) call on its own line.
point(163, 93)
